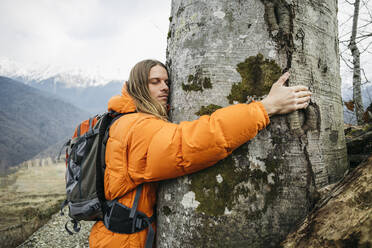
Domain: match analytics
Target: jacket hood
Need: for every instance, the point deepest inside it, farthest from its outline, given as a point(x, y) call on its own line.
point(123, 103)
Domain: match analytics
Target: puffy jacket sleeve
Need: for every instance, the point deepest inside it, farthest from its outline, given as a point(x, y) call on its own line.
point(160, 150)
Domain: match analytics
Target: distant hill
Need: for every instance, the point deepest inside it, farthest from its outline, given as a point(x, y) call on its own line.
point(31, 121)
point(92, 98)
point(54, 150)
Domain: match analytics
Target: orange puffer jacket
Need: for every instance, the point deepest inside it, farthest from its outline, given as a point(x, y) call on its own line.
point(145, 149)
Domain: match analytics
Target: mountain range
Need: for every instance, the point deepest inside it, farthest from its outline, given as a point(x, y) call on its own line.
point(31, 120)
point(88, 91)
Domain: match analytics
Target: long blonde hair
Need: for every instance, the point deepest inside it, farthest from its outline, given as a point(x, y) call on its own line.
point(138, 89)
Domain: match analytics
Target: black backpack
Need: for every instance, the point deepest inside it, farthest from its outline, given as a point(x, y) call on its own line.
point(85, 167)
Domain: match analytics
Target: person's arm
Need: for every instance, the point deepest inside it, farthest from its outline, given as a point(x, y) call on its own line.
point(159, 150)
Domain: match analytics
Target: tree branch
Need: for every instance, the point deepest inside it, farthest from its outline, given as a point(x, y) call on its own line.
point(346, 62)
point(349, 2)
point(363, 36)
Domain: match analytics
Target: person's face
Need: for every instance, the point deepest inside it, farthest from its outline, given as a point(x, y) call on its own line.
point(158, 84)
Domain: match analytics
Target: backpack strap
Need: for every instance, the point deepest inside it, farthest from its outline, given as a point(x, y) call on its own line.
point(76, 226)
point(150, 236)
point(119, 218)
point(63, 205)
point(133, 210)
point(90, 123)
point(106, 136)
point(101, 154)
point(136, 223)
point(67, 143)
point(135, 203)
point(78, 131)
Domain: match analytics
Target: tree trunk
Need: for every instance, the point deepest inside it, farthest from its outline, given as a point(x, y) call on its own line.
point(222, 52)
point(357, 95)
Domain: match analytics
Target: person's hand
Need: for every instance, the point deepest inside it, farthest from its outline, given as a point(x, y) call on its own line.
point(283, 100)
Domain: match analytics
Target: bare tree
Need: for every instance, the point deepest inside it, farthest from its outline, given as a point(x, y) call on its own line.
point(360, 33)
point(357, 95)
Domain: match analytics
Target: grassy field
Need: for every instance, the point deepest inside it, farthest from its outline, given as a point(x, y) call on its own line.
point(27, 200)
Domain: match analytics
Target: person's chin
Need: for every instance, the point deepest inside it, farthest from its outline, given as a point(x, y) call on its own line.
point(163, 101)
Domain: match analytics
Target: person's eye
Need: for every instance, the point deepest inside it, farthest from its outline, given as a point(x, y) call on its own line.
point(168, 82)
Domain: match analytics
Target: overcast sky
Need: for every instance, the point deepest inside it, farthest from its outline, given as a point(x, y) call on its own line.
point(345, 13)
point(104, 37)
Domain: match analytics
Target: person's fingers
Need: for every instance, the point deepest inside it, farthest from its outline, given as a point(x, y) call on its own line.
point(301, 94)
point(282, 79)
point(302, 105)
point(303, 100)
point(300, 88)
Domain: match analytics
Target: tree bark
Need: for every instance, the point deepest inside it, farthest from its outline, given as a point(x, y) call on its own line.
point(222, 52)
point(357, 95)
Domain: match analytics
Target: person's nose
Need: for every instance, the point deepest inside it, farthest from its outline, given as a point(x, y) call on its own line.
point(164, 86)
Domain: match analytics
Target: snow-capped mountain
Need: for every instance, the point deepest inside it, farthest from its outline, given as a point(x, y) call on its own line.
point(88, 91)
point(71, 77)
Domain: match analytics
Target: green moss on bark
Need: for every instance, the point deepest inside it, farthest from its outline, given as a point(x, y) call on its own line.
point(218, 188)
point(258, 75)
point(215, 196)
point(207, 110)
point(197, 82)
